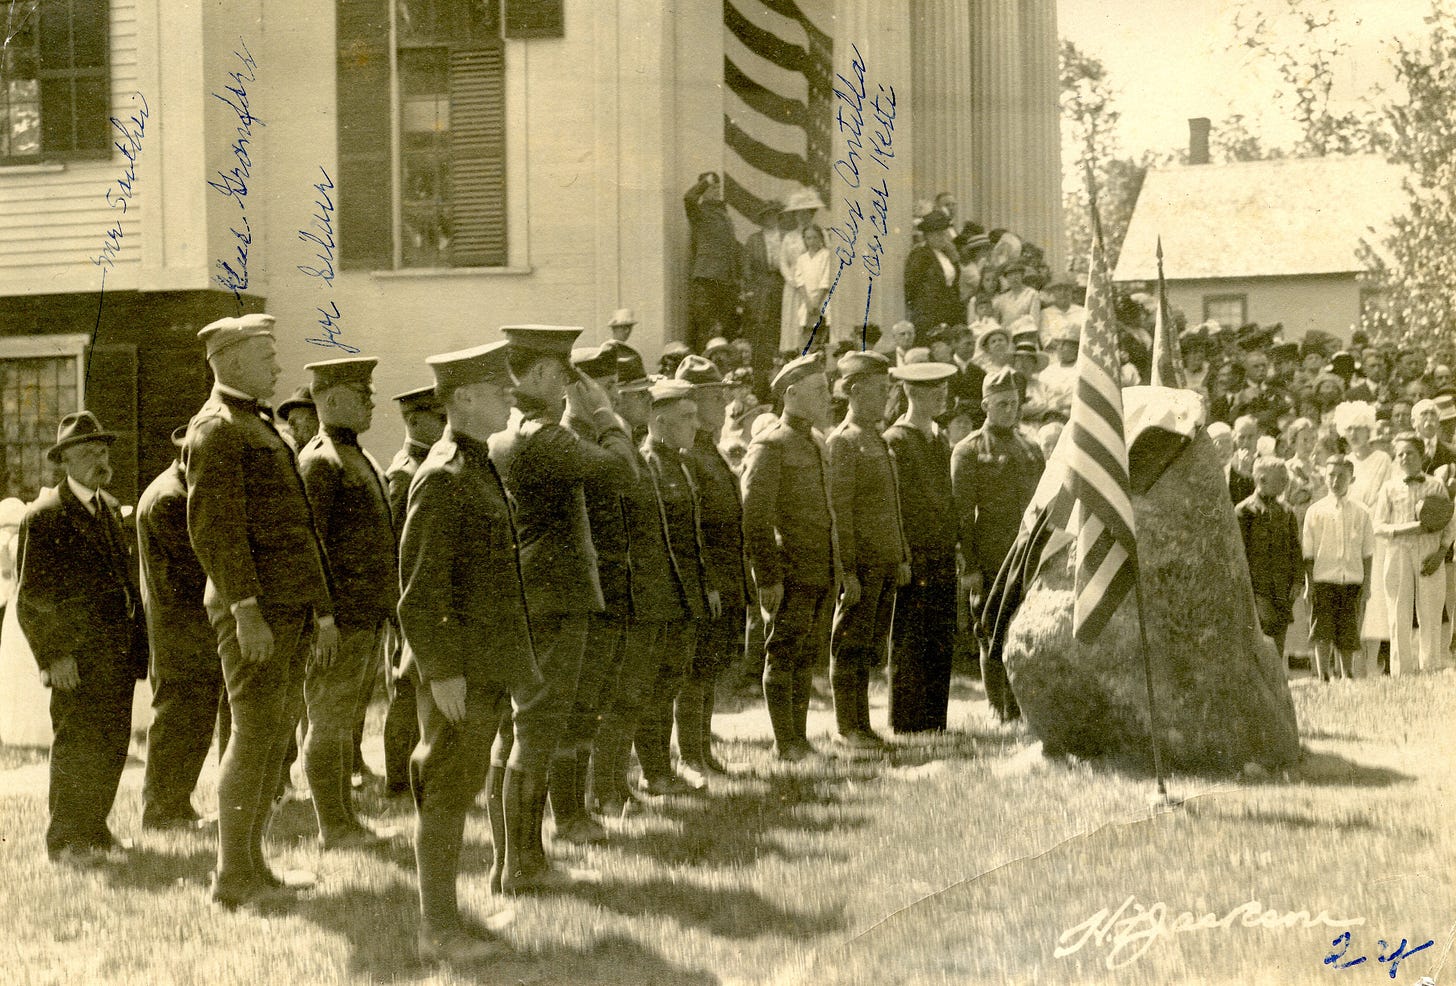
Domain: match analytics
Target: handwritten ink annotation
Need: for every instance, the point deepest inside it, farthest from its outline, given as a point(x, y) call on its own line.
point(321, 235)
point(1386, 954)
point(233, 183)
point(120, 192)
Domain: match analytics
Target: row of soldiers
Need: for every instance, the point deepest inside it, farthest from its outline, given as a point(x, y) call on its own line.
point(561, 559)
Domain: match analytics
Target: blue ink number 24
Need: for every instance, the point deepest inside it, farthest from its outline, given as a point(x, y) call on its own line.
point(1342, 943)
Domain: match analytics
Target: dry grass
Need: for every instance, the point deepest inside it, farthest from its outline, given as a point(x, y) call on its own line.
point(960, 859)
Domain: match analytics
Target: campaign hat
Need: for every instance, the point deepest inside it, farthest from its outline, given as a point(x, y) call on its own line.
point(700, 372)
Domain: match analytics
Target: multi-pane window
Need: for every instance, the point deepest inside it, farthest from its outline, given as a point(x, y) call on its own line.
point(439, 90)
point(54, 80)
point(1228, 310)
point(35, 393)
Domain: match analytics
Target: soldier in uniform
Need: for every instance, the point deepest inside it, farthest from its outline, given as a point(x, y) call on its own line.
point(345, 489)
point(267, 590)
point(671, 426)
point(545, 468)
point(872, 547)
point(788, 528)
point(186, 676)
point(993, 473)
point(925, 608)
point(79, 608)
point(720, 636)
point(606, 631)
point(424, 421)
point(462, 612)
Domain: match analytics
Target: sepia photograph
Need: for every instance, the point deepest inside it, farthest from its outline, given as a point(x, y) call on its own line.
point(728, 492)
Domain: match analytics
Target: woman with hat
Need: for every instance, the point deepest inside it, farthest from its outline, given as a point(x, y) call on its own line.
point(1355, 423)
point(799, 209)
point(813, 274)
point(993, 345)
point(1016, 299)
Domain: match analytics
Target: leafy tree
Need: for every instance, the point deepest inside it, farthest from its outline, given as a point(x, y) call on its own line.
point(1300, 41)
point(1415, 265)
point(1091, 118)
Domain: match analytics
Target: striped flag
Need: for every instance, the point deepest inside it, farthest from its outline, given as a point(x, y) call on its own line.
point(1097, 469)
point(1167, 356)
point(778, 106)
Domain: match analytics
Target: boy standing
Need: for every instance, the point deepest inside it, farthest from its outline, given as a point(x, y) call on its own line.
point(1338, 544)
point(1271, 545)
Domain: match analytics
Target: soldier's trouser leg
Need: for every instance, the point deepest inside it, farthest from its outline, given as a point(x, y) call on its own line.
point(331, 695)
point(719, 643)
point(922, 645)
point(91, 728)
point(401, 732)
point(185, 693)
point(674, 652)
point(540, 716)
point(606, 642)
point(265, 700)
point(629, 693)
point(448, 769)
point(940, 649)
point(788, 668)
point(860, 632)
point(361, 708)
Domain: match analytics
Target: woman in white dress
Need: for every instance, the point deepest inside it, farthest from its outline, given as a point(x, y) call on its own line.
point(799, 209)
point(812, 276)
point(1355, 422)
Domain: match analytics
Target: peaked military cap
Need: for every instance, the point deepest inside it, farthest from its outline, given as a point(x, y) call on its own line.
point(334, 372)
point(419, 399)
point(479, 364)
point(554, 339)
point(858, 361)
point(923, 372)
point(230, 331)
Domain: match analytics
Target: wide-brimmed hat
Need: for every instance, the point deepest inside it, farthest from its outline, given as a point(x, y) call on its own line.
point(987, 327)
point(622, 317)
point(77, 429)
point(803, 200)
point(1026, 347)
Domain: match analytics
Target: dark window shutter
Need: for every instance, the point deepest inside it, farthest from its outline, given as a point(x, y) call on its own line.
point(535, 19)
point(365, 205)
point(478, 157)
point(111, 395)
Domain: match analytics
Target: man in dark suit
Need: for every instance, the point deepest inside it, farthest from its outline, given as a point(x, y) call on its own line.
point(186, 675)
point(346, 495)
point(933, 278)
point(462, 611)
point(788, 529)
point(81, 612)
point(424, 422)
point(1426, 421)
point(713, 262)
point(545, 468)
point(267, 593)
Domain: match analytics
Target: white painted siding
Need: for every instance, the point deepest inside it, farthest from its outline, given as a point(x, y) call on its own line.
point(52, 222)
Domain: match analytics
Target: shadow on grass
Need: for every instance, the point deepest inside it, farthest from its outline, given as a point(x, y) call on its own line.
point(1243, 814)
point(738, 827)
point(380, 925)
point(728, 912)
point(1314, 769)
point(145, 868)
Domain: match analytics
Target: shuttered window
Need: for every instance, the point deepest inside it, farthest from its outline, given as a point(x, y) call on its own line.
point(448, 66)
point(55, 80)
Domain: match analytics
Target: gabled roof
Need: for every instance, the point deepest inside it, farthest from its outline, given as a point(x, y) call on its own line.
point(1259, 218)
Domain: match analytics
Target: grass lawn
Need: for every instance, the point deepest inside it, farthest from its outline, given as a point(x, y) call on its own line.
point(964, 858)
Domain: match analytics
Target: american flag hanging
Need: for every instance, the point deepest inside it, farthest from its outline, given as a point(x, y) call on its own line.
point(1097, 471)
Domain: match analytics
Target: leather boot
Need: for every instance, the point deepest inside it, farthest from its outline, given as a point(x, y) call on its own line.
point(778, 695)
point(653, 742)
point(710, 690)
point(844, 681)
point(607, 789)
point(438, 836)
point(862, 698)
point(495, 808)
point(527, 870)
point(584, 829)
point(688, 712)
point(803, 690)
point(565, 799)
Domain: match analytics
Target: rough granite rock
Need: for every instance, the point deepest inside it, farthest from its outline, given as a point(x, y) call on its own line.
point(1221, 693)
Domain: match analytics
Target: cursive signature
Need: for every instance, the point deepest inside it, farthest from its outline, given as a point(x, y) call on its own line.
point(869, 208)
point(321, 235)
point(233, 183)
point(129, 143)
point(1130, 931)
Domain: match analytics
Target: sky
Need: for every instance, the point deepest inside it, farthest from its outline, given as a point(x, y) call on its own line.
point(1170, 60)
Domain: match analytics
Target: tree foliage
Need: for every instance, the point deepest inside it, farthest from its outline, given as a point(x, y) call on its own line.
point(1301, 42)
point(1414, 266)
point(1091, 117)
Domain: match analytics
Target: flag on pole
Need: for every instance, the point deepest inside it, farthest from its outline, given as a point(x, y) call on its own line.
point(1097, 471)
point(1167, 356)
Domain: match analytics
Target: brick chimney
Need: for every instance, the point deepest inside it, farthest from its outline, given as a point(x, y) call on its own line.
point(1198, 128)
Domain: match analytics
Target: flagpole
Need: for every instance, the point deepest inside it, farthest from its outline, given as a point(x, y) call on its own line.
point(1137, 579)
